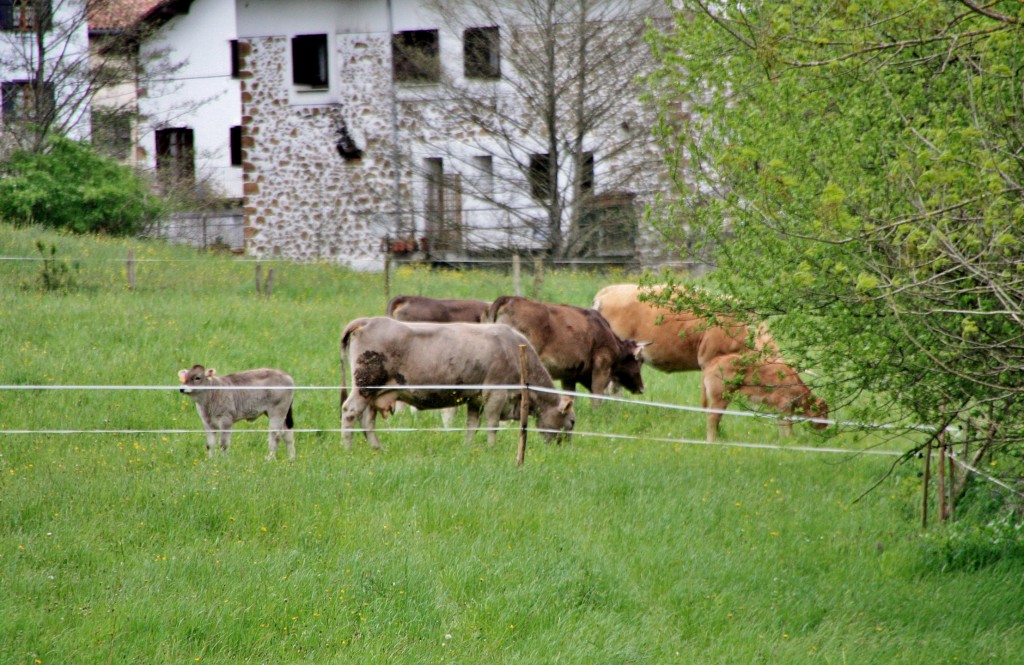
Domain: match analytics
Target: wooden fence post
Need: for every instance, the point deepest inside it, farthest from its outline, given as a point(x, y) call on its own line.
point(924, 484)
point(943, 509)
point(517, 282)
point(268, 286)
point(131, 270)
point(538, 275)
point(259, 278)
point(524, 406)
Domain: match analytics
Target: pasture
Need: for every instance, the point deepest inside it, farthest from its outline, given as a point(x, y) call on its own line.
point(131, 547)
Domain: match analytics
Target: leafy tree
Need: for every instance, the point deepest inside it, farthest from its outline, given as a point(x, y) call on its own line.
point(854, 171)
point(71, 187)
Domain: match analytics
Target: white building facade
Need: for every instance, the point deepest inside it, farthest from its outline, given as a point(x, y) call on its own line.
point(352, 140)
point(189, 131)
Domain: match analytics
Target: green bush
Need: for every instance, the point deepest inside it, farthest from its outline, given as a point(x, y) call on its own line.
point(71, 187)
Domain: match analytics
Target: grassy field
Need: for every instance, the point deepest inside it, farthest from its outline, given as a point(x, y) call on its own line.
point(133, 548)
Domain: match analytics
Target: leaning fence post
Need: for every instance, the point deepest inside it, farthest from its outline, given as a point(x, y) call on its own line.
point(517, 282)
point(524, 406)
point(131, 270)
point(924, 484)
point(538, 275)
point(259, 278)
point(269, 286)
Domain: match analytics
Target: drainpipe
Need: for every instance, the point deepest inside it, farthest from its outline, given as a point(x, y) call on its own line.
point(395, 145)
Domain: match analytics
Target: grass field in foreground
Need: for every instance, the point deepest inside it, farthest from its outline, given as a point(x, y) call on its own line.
point(133, 548)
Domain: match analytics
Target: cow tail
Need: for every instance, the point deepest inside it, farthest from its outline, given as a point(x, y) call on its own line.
point(346, 335)
point(289, 421)
point(394, 304)
point(495, 308)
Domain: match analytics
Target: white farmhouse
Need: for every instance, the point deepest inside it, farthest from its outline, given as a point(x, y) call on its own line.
point(415, 124)
point(190, 110)
point(58, 100)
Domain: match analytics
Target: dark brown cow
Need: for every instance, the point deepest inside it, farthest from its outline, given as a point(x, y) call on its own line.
point(576, 345)
point(681, 341)
point(770, 382)
point(390, 358)
point(437, 310)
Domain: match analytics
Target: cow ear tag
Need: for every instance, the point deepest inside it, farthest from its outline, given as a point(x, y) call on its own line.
point(181, 375)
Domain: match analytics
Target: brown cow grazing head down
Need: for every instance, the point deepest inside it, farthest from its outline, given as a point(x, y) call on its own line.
point(575, 344)
point(762, 381)
point(682, 341)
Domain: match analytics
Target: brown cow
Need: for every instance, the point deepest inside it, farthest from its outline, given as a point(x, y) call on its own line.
point(769, 382)
point(681, 341)
point(389, 353)
point(437, 310)
point(576, 345)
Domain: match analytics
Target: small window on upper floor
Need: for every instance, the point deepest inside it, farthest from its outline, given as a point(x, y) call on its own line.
point(235, 144)
point(481, 53)
point(25, 15)
point(309, 60)
point(236, 59)
point(415, 56)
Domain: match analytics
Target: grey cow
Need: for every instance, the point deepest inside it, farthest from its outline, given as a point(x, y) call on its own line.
point(261, 391)
point(388, 355)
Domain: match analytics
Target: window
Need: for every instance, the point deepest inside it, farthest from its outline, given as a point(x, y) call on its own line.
point(415, 56)
point(112, 133)
point(309, 60)
point(25, 15)
point(443, 207)
point(236, 59)
point(481, 53)
point(236, 145)
point(485, 175)
point(19, 101)
point(175, 155)
point(587, 173)
point(539, 177)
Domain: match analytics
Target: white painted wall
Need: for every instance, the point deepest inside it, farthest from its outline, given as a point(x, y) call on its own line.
point(202, 94)
point(70, 38)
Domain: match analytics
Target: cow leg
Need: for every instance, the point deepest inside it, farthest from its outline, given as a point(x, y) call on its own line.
point(370, 427)
point(448, 416)
point(709, 399)
point(273, 436)
point(225, 436)
point(289, 442)
point(211, 441)
point(598, 385)
point(492, 415)
point(472, 422)
point(352, 410)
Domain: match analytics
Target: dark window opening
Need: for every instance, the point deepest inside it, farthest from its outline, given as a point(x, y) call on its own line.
point(309, 60)
point(415, 56)
point(539, 177)
point(587, 173)
point(236, 59)
point(26, 15)
point(236, 145)
point(443, 207)
point(112, 133)
point(481, 52)
point(175, 155)
point(20, 102)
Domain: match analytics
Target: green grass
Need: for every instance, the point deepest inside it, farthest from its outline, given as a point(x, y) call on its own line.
point(135, 549)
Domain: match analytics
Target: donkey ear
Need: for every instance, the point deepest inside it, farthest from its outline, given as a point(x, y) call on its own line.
point(565, 404)
point(181, 375)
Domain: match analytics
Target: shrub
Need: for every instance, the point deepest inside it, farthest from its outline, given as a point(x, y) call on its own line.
point(69, 186)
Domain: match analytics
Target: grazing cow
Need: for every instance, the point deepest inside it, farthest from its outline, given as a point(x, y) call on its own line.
point(769, 382)
point(576, 345)
point(437, 310)
point(394, 354)
point(681, 341)
point(262, 391)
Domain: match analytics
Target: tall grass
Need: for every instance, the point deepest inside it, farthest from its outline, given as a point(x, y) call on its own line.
point(134, 548)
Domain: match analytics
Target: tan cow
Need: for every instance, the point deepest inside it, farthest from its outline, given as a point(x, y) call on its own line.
point(681, 341)
point(770, 382)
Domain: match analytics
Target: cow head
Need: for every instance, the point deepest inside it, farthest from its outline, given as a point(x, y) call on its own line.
point(560, 418)
point(626, 369)
point(195, 378)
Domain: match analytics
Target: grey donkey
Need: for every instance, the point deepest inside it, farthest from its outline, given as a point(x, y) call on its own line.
point(260, 391)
